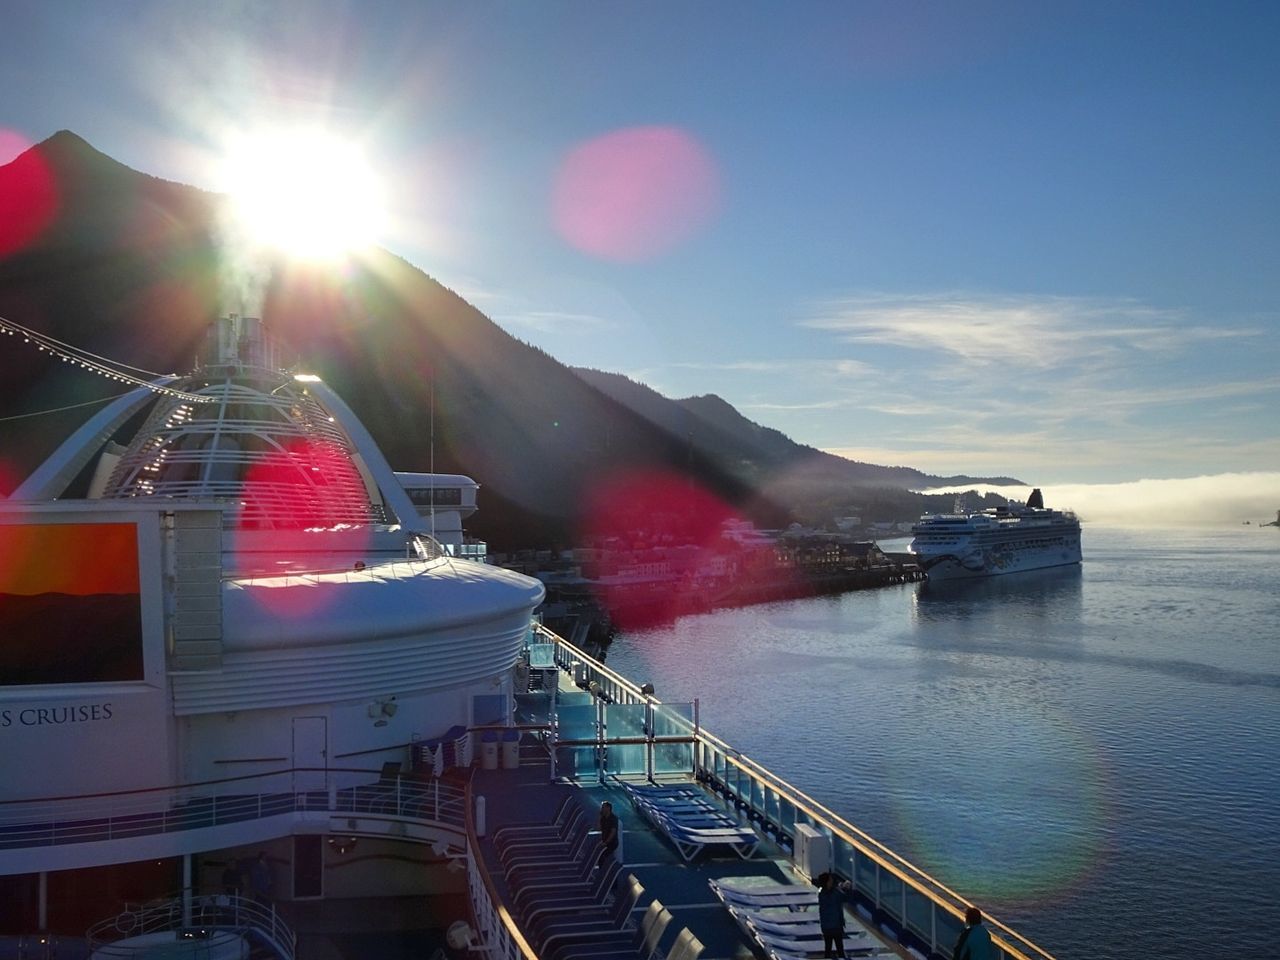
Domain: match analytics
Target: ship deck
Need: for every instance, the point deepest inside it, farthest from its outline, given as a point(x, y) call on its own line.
point(527, 796)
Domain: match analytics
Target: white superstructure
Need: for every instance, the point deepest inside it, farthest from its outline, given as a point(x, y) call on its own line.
point(218, 589)
point(996, 541)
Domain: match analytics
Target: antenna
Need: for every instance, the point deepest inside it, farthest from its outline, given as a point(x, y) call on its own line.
point(432, 434)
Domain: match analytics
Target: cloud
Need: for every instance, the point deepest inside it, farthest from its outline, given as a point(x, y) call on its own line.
point(552, 321)
point(1027, 330)
point(816, 405)
point(747, 366)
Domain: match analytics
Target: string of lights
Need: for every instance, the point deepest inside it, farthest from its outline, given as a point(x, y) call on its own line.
point(103, 367)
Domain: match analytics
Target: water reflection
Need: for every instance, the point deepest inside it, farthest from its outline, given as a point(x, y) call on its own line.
point(1031, 590)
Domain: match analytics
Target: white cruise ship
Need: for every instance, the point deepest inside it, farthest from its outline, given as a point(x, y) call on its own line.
point(245, 693)
point(996, 541)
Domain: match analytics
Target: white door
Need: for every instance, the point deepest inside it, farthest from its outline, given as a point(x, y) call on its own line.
point(310, 753)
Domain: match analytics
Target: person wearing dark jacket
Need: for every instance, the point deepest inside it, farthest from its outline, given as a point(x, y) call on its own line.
point(608, 833)
point(974, 942)
point(831, 898)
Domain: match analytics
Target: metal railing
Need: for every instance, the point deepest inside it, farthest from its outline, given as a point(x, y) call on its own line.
point(500, 935)
point(113, 816)
point(201, 918)
point(905, 901)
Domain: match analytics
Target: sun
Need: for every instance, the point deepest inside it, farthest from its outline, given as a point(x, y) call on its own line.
point(308, 193)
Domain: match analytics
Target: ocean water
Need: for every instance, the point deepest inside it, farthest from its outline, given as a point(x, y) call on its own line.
point(1092, 754)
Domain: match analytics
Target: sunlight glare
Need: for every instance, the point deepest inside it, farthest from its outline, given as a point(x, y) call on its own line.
point(307, 193)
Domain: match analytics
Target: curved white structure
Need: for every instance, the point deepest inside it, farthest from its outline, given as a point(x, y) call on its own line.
point(996, 541)
point(234, 598)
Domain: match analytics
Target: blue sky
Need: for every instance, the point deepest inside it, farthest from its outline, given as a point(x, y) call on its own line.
point(1038, 239)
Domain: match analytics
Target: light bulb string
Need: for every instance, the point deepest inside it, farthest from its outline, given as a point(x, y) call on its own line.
point(95, 363)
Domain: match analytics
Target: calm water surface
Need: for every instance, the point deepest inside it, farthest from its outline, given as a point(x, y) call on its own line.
point(1091, 753)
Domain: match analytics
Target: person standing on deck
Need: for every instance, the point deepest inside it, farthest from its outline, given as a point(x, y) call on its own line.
point(974, 942)
point(831, 897)
point(608, 832)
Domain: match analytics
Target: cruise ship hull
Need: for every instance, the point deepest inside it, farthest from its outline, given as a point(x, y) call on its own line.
point(991, 562)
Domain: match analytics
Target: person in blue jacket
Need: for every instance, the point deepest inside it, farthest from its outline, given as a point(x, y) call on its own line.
point(974, 942)
point(831, 898)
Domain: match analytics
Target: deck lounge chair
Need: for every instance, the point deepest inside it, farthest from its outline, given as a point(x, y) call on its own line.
point(553, 930)
point(686, 947)
point(596, 892)
point(580, 863)
point(758, 896)
point(532, 896)
point(689, 838)
point(643, 943)
point(560, 850)
point(570, 818)
point(656, 791)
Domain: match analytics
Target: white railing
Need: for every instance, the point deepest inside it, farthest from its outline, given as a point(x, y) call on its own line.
point(113, 816)
point(499, 935)
point(201, 918)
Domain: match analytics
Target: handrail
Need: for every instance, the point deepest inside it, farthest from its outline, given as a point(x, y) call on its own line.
point(1012, 943)
point(489, 910)
point(166, 810)
point(280, 771)
point(222, 912)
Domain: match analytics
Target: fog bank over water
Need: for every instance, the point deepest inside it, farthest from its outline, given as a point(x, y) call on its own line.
point(1222, 499)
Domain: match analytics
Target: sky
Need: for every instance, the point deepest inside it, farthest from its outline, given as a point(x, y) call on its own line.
point(1037, 239)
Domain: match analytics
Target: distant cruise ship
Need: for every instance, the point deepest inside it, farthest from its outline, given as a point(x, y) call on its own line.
point(995, 541)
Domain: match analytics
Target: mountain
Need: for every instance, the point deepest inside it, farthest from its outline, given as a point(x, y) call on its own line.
point(800, 477)
point(134, 268)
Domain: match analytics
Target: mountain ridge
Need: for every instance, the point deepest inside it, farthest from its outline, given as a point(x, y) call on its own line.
point(714, 412)
point(134, 267)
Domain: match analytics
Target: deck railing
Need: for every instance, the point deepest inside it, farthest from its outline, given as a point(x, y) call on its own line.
point(201, 917)
point(905, 901)
point(500, 937)
point(128, 814)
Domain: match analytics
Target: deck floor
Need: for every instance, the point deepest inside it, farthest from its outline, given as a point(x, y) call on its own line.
point(527, 795)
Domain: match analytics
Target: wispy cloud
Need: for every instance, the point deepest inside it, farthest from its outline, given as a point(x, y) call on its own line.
point(746, 366)
point(552, 321)
point(817, 405)
point(1031, 331)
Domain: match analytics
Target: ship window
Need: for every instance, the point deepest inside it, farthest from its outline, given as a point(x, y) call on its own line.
point(440, 496)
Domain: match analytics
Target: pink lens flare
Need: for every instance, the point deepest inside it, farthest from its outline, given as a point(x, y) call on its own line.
point(28, 193)
point(311, 499)
point(633, 194)
point(665, 549)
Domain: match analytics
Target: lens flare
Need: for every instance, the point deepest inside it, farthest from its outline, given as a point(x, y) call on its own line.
point(28, 194)
point(306, 501)
point(974, 829)
point(634, 194)
point(666, 547)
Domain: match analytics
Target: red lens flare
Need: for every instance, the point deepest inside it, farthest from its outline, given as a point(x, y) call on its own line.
point(634, 194)
point(664, 546)
point(28, 195)
point(304, 510)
